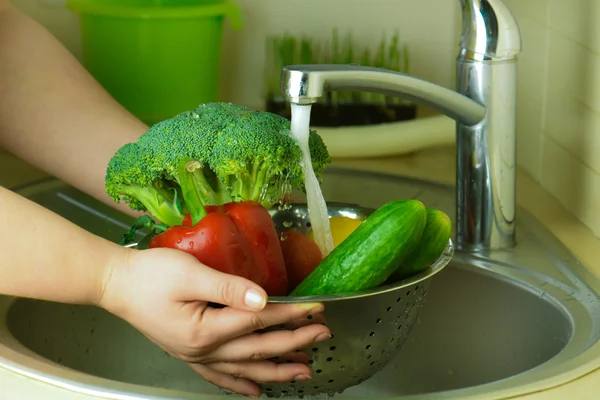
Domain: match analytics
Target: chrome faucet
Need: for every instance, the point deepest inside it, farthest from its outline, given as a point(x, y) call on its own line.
point(484, 108)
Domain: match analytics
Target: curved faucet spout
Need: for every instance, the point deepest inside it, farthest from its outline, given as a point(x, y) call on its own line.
point(489, 30)
point(484, 107)
point(303, 84)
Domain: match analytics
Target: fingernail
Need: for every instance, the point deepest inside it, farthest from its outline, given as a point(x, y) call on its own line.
point(302, 378)
point(254, 299)
point(323, 337)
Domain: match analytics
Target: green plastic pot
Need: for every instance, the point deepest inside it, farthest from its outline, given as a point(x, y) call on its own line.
point(155, 57)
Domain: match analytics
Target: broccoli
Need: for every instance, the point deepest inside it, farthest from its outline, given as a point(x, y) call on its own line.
point(258, 159)
point(130, 178)
point(212, 155)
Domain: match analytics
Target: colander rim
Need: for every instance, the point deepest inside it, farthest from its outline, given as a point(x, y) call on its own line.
point(442, 261)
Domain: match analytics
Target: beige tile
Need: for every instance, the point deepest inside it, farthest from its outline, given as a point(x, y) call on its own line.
point(575, 185)
point(532, 65)
point(571, 117)
point(529, 131)
point(536, 10)
point(570, 68)
point(577, 20)
point(574, 70)
point(575, 127)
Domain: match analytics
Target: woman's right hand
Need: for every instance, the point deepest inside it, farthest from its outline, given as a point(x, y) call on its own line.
point(164, 293)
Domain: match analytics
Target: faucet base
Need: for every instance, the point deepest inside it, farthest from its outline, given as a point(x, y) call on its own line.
point(486, 157)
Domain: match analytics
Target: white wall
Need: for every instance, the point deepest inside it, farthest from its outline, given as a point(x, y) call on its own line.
point(558, 127)
point(427, 26)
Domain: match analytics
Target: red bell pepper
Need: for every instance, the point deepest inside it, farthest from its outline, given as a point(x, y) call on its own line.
point(237, 238)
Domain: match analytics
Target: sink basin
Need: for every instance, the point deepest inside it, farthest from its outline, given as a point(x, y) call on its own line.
point(494, 325)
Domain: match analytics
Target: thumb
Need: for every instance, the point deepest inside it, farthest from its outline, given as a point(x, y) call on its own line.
point(214, 286)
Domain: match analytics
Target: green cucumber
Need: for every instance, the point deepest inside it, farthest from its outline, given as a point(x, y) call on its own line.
point(371, 253)
point(434, 240)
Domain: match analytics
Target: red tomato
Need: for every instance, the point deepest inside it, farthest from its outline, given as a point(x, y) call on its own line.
point(301, 256)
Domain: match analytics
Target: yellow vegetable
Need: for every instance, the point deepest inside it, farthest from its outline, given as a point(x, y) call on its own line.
point(341, 228)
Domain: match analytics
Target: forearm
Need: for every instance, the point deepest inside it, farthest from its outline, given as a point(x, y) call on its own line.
point(53, 114)
point(46, 257)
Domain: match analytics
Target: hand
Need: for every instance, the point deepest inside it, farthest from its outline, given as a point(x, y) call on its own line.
point(164, 293)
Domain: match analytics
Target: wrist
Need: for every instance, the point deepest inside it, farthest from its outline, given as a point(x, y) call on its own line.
point(111, 278)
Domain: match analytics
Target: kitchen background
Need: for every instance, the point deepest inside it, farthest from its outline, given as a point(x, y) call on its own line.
point(559, 71)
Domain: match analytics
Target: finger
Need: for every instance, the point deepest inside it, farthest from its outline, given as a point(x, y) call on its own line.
point(295, 357)
point(229, 323)
point(226, 381)
point(264, 371)
point(261, 346)
point(318, 318)
point(208, 284)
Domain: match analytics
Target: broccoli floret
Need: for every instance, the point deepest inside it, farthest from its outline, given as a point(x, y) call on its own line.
point(258, 159)
point(212, 155)
point(130, 179)
point(178, 150)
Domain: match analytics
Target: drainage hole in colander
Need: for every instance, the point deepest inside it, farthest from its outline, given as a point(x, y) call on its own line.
point(369, 356)
point(315, 349)
point(389, 309)
point(378, 321)
point(330, 381)
point(408, 293)
point(319, 371)
point(399, 327)
point(368, 347)
point(269, 389)
point(417, 287)
point(372, 363)
point(310, 362)
point(315, 387)
point(399, 299)
point(329, 358)
point(372, 334)
point(332, 348)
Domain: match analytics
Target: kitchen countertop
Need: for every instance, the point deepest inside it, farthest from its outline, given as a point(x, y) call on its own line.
point(433, 164)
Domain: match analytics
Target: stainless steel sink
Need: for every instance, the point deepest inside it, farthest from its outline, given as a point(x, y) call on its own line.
point(507, 322)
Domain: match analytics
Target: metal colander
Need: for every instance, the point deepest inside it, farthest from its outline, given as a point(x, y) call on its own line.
point(368, 327)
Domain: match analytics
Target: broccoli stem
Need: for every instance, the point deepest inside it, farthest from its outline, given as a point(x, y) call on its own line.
point(255, 186)
point(196, 189)
point(163, 205)
point(143, 222)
